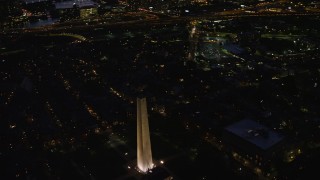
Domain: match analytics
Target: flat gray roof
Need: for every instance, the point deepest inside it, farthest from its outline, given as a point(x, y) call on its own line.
point(69, 4)
point(33, 1)
point(255, 133)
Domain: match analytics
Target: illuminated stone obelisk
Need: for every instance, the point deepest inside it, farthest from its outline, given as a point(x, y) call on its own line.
point(144, 156)
point(193, 39)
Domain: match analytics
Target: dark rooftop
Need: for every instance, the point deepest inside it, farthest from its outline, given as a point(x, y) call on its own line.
point(33, 1)
point(80, 4)
point(255, 133)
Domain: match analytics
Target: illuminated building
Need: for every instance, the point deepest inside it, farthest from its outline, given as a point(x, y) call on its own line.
point(205, 46)
point(144, 156)
point(74, 9)
point(88, 11)
point(193, 38)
